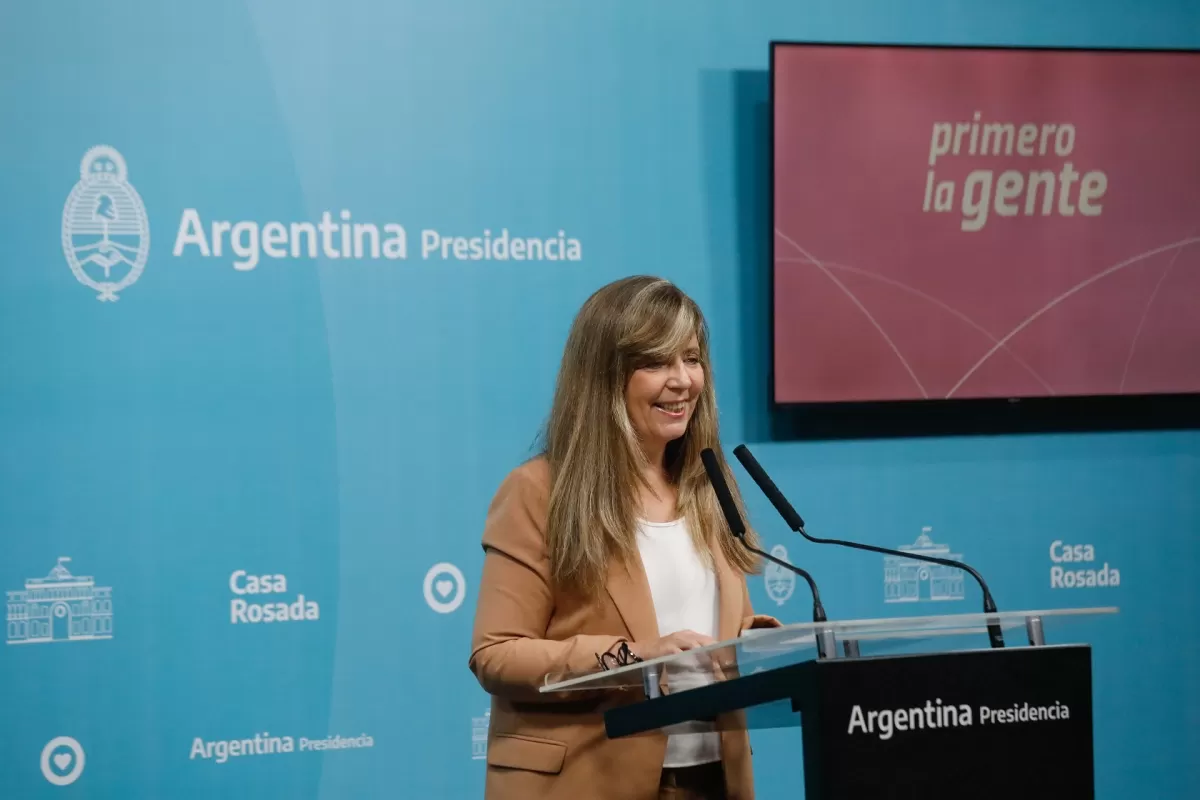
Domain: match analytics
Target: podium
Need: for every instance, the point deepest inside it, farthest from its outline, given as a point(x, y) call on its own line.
point(901, 707)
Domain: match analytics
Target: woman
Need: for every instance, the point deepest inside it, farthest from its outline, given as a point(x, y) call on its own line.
point(611, 544)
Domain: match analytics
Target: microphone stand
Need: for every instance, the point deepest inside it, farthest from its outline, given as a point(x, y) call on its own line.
point(826, 646)
point(796, 523)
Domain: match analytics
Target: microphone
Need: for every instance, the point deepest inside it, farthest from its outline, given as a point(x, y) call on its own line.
point(738, 529)
point(795, 522)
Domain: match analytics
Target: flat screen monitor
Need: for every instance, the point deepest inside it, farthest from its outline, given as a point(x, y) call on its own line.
point(959, 222)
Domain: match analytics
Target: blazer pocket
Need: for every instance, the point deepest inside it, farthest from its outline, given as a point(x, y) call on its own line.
point(526, 752)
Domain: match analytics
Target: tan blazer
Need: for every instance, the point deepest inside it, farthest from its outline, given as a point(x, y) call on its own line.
point(553, 745)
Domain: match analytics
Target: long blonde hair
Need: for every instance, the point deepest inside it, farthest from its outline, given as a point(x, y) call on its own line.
point(595, 461)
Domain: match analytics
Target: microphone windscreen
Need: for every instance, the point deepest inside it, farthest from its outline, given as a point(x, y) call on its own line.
point(724, 497)
point(759, 475)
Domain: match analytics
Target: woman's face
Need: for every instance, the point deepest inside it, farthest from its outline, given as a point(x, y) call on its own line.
point(660, 398)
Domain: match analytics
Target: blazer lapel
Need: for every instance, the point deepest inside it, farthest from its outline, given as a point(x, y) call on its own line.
point(630, 592)
point(729, 588)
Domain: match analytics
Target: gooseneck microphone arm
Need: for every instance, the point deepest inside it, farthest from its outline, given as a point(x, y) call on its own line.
point(738, 528)
point(796, 523)
point(818, 609)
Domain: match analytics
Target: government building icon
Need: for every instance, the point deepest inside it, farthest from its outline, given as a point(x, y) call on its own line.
point(479, 735)
point(907, 580)
point(60, 607)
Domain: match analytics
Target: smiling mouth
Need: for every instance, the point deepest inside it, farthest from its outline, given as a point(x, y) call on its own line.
point(672, 409)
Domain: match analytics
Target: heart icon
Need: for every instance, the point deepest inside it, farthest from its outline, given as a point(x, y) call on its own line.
point(62, 761)
point(444, 587)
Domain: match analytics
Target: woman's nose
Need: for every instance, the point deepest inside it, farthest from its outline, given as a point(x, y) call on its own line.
point(678, 377)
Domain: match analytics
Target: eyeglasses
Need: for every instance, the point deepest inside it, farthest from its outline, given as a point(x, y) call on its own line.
point(623, 657)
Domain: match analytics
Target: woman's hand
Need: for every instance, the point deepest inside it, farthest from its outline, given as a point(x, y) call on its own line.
point(757, 621)
point(676, 642)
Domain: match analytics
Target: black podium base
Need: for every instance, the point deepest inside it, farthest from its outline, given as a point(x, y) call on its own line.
point(1012, 723)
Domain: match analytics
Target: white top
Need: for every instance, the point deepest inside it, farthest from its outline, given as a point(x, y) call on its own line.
point(685, 598)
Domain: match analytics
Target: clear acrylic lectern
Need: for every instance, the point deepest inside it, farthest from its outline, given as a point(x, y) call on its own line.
point(887, 707)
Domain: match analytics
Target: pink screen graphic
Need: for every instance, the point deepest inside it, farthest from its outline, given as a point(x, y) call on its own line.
point(985, 223)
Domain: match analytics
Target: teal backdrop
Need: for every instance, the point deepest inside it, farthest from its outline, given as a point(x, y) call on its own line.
point(244, 475)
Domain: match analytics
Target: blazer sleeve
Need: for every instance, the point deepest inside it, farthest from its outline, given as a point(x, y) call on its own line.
point(510, 654)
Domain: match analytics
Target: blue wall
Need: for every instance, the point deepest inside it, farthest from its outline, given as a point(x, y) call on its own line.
point(344, 422)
